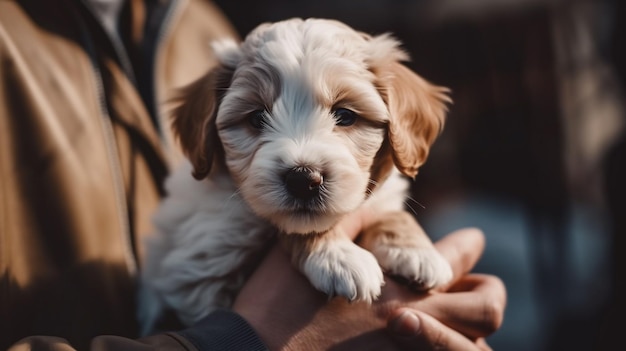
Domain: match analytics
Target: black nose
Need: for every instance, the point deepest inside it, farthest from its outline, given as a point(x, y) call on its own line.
point(303, 183)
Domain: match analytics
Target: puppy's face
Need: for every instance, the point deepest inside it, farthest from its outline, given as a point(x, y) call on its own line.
point(306, 116)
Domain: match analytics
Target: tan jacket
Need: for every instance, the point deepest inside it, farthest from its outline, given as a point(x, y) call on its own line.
point(81, 161)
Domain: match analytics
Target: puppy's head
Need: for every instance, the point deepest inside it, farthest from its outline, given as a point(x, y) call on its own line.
point(307, 116)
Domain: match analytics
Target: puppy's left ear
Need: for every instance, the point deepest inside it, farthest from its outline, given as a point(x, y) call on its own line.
point(417, 108)
point(193, 118)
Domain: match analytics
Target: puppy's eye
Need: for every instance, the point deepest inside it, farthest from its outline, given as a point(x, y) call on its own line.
point(345, 117)
point(258, 119)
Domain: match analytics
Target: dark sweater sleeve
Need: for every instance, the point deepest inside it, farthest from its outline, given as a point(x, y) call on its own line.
point(223, 330)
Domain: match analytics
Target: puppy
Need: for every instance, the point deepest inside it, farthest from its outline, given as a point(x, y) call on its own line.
point(302, 123)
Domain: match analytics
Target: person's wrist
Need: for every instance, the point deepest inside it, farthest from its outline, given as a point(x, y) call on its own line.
point(223, 330)
point(280, 314)
point(268, 331)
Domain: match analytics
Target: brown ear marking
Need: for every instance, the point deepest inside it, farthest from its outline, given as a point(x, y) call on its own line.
point(193, 119)
point(381, 168)
point(417, 113)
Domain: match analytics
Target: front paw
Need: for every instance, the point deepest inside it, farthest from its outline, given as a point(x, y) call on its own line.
point(342, 268)
point(423, 268)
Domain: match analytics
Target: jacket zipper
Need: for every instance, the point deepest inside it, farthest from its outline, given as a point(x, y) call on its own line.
point(162, 33)
point(120, 193)
point(117, 44)
point(109, 137)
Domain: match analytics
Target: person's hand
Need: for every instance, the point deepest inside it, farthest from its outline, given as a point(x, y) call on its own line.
point(288, 313)
point(460, 315)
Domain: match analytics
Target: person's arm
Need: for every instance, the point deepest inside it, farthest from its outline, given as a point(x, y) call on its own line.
point(221, 330)
point(278, 308)
point(289, 315)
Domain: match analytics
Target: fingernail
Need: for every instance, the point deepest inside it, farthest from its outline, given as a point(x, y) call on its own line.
point(406, 325)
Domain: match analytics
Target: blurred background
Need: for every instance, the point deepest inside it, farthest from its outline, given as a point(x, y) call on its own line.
point(533, 152)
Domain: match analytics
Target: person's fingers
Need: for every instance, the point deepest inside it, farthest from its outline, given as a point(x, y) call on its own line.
point(462, 249)
point(414, 330)
point(474, 306)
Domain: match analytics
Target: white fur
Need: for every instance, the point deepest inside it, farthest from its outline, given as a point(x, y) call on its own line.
point(208, 230)
point(415, 264)
point(341, 268)
point(192, 271)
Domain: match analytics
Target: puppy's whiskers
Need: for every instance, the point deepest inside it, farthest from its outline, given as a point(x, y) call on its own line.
point(417, 202)
point(232, 196)
point(408, 205)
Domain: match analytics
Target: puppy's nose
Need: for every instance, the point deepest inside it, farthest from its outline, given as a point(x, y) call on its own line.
point(303, 183)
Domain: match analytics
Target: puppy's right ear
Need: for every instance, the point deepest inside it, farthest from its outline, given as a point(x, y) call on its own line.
point(194, 118)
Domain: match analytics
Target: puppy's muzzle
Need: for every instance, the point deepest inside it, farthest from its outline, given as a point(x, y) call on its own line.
point(303, 183)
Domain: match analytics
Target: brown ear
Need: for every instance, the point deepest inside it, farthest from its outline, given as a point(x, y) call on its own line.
point(417, 112)
point(193, 120)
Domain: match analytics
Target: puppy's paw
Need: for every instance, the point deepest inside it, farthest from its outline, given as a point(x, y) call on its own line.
point(342, 268)
point(423, 268)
